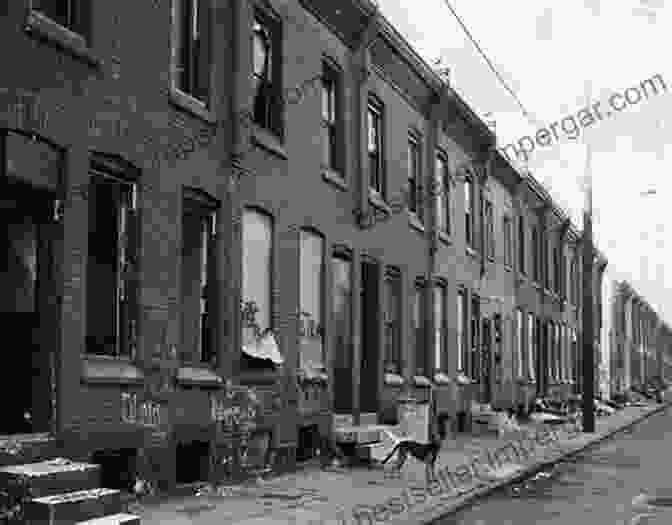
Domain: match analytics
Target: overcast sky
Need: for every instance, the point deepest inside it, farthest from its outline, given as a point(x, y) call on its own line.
point(549, 52)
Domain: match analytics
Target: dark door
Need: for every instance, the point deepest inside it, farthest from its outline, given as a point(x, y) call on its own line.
point(27, 308)
point(342, 333)
point(486, 363)
point(370, 311)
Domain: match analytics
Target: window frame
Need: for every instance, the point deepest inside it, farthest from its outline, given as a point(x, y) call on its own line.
point(531, 342)
point(475, 331)
point(125, 337)
point(185, 56)
point(508, 241)
point(469, 215)
point(489, 215)
point(462, 313)
point(268, 219)
point(322, 284)
point(273, 104)
point(207, 209)
point(392, 323)
point(416, 201)
point(522, 266)
point(536, 263)
point(332, 75)
point(520, 343)
point(443, 194)
point(375, 113)
point(440, 327)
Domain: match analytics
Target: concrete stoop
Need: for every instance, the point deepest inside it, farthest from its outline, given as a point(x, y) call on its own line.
point(63, 492)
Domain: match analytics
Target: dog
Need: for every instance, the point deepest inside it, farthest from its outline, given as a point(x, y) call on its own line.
point(425, 452)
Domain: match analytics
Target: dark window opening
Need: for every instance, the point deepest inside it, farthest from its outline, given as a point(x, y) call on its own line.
point(112, 267)
point(193, 48)
point(330, 117)
point(118, 468)
point(393, 322)
point(308, 443)
point(415, 201)
point(267, 63)
point(375, 147)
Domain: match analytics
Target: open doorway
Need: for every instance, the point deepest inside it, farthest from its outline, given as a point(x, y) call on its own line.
point(370, 351)
point(27, 305)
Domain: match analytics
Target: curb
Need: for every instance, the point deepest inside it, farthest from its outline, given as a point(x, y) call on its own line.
point(468, 500)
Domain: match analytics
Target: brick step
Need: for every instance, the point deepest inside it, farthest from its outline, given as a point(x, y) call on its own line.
point(53, 476)
point(113, 519)
point(71, 508)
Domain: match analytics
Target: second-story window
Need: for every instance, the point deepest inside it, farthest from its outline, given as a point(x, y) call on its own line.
point(71, 14)
point(442, 191)
point(556, 269)
point(469, 211)
point(415, 204)
point(536, 263)
point(266, 65)
point(375, 147)
point(192, 48)
point(508, 242)
point(521, 244)
point(489, 229)
point(330, 114)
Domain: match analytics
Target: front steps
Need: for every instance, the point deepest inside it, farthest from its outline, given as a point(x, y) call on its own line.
point(59, 491)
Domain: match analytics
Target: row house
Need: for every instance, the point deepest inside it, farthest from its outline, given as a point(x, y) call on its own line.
point(265, 220)
point(641, 342)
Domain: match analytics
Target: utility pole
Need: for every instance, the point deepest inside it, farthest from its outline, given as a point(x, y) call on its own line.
point(588, 338)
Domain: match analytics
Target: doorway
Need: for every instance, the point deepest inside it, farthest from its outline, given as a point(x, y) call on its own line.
point(370, 350)
point(486, 363)
point(28, 308)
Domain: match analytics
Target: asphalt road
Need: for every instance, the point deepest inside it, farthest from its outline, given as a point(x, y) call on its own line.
point(605, 485)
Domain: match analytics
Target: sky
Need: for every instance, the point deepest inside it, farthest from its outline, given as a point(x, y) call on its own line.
point(556, 56)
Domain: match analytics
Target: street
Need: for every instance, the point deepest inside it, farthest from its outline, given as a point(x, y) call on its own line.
point(602, 486)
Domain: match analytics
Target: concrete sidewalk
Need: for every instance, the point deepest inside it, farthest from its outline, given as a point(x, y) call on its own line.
point(363, 495)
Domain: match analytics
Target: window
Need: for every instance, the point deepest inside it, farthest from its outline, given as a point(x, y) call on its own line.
point(112, 266)
point(257, 239)
point(521, 244)
point(415, 203)
point(563, 353)
point(520, 344)
point(418, 327)
point(544, 259)
point(375, 147)
point(192, 48)
point(311, 286)
point(197, 279)
point(442, 192)
point(440, 329)
point(461, 334)
point(556, 269)
point(508, 242)
point(536, 263)
point(530, 347)
point(550, 344)
point(489, 229)
point(267, 64)
point(330, 117)
point(574, 281)
point(474, 360)
point(469, 211)
point(393, 320)
point(71, 14)
point(342, 320)
point(558, 353)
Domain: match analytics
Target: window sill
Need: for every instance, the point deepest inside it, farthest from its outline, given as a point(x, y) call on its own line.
point(198, 376)
point(376, 200)
point(394, 379)
point(508, 268)
point(100, 369)
point(268, 141)
point(192, 105)
point(445, 238)
point(421, 382)
point(45, 28)
point(462, 380)
point(335, 178)
point(471, 252)
point(442, 379)
point(414, 222)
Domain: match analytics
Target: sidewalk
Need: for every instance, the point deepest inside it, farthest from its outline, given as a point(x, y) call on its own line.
point(339, 496)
